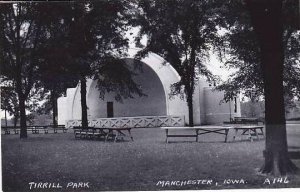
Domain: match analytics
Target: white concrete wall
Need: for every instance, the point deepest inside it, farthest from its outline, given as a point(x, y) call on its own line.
point(168, 75)
point(196, 105)
point(154, 65)
point(76, 105)
point(61, 109)
point(64, 106)
point(156, 80)
point(154, 104)
point(201, 84)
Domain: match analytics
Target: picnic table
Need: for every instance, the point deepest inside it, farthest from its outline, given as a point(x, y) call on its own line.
point(59, 127)
point(249, 130)
point(199, 130)
point(7, 129)
point(34, 129)
point(244, 120)
point(88, 132)
point(114, 133)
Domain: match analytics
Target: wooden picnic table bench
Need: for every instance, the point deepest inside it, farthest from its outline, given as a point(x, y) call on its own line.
point(81, 132)
point(97, 132)
point(8, 129)
point(199, 130)
point(59, 127)
point(116, 133)
point(244, 120)
point(35, 129)
point(77, 131)
point(249, 130)
point(89, 132)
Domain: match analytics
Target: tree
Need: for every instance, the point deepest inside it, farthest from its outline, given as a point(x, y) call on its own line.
point(101, 26)
point(266, 18)
point(264, 46)
point(54, 74)
point(51, 51)
point(182, 32)
point(21, 38)
point(9, 103)
point(243, 50)
point(253, 108)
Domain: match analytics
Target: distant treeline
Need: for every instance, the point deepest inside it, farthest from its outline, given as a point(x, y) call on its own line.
point(33, 119)
point(257, 109)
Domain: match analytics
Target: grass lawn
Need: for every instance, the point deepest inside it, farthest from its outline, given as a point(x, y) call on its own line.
point(138, 165)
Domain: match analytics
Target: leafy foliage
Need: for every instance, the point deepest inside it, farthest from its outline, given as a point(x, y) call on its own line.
point(109, 21)
point(108, 79)
point(244, 52)
point(182, 32)
point(50, 46)
point(22, 37)
point(9, 101)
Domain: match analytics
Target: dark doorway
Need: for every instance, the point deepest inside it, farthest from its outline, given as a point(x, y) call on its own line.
point(110, 109)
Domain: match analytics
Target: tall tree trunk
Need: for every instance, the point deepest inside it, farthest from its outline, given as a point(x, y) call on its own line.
point(190, 107)
point(191, 84)
point(22, 99)
point(5, 118)
point(19, 85)
point(16, 118)
point(266, 18)
point(54, 108)
point(84, 119)
point(230, 115)
point(23, 132)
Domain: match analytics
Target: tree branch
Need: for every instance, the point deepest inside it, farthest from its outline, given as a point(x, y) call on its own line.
point(31, 61)
point(27, 34)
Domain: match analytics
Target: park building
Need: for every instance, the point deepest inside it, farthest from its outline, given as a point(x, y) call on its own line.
point(156, 107)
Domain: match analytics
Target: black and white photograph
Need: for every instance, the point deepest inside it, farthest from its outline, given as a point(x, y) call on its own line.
point(150, 95)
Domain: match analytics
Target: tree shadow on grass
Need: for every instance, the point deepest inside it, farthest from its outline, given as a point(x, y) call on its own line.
point(195, 142)
point(294, 147)
point(213, 142)
point(34, 139)
point(294, 154)
point(180, 142)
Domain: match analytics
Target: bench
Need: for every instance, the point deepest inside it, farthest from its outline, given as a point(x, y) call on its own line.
point(60, 127)
point(249, 130)
point(245, 120)
point(33, 129)
point(199, 130)
point(77, 131)
point(36, 129)
point(97, 132)
point(8, 129)
point(116, 133)
point(89, 132)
